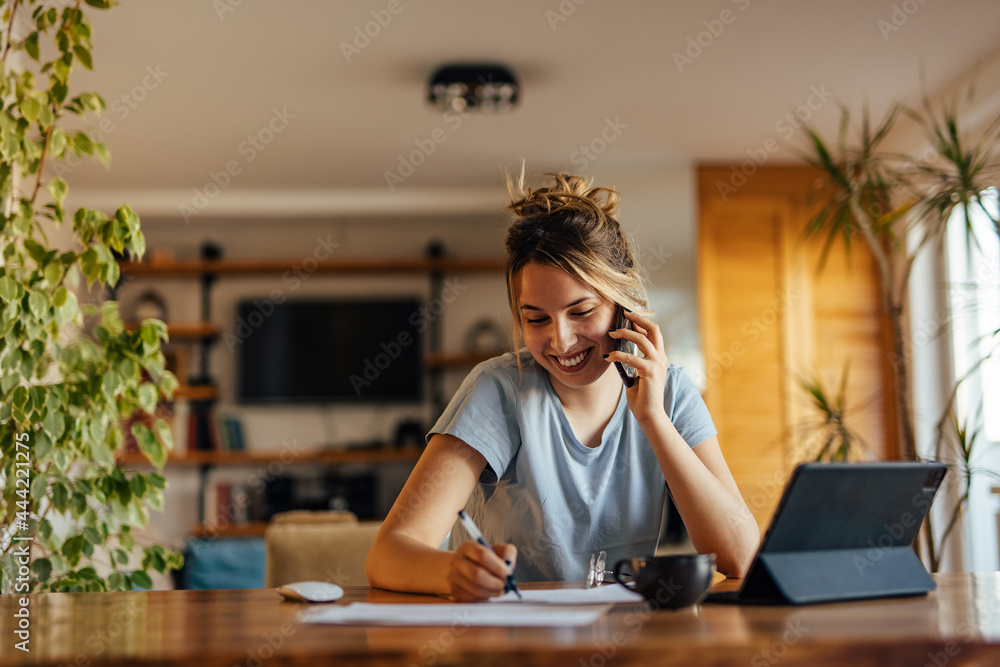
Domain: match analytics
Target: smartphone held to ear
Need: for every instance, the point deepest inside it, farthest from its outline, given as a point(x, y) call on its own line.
point(626, 346)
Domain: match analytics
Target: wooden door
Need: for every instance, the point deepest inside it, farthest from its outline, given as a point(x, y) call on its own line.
point(770, 318)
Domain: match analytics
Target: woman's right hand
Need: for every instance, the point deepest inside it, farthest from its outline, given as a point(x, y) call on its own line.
point(476, 573)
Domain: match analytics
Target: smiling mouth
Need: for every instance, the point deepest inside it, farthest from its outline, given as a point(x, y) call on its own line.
point(570, 362)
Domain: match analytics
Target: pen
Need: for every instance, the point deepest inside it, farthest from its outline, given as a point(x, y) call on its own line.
point(473, 530)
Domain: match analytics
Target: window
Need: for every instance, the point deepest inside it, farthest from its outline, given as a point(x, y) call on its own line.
point(974, 297)
point(974, 277)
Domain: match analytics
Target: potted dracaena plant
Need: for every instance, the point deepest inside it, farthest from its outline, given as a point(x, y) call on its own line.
point(900, 206)
point(70, 373)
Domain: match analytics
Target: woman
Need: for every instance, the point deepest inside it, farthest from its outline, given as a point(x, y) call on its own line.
point(547, 451)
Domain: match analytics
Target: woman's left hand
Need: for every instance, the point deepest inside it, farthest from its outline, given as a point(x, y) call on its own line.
point(645, 396)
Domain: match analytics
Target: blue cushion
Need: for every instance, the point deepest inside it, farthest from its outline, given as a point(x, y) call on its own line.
point(225, 563)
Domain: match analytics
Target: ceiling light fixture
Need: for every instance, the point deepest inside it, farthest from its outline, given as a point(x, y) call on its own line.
point(473, 87)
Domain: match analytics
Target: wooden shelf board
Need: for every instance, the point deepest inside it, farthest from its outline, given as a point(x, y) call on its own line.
point(200, 392)
point(382, 455)
point(251, 267)
point(186, 330)
point(192, 330)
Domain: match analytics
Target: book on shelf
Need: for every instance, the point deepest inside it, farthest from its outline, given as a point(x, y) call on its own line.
point(230, 432)
point(215, 433)
point(179, 427)
point(214, 430)
point(228, 503)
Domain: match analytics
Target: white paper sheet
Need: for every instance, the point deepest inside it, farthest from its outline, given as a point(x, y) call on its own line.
point(608, 594)
point(505, 615)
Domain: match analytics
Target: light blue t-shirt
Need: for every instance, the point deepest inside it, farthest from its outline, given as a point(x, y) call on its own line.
point(542, 490)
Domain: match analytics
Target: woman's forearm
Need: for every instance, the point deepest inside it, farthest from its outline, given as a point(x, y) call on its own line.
point(716, 518)
point(399, 562)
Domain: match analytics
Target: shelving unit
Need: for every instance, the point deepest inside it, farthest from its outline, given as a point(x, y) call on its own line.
point(349, 455)
point(202, 391)
point(235, 267)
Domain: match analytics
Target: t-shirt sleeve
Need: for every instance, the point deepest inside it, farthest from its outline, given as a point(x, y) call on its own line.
point(483, 414)
point(686, 408)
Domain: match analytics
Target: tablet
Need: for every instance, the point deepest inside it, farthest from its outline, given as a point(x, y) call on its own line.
point(843, 531)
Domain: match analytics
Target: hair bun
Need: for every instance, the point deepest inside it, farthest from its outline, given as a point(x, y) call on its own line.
point(568, 194)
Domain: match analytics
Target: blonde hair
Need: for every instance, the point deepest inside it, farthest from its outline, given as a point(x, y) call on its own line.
point(571, 226)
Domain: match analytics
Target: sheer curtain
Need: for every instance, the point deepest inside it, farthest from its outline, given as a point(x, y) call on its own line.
point(973, 265)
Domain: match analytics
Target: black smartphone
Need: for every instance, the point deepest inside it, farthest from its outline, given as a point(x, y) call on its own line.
point(626, 346)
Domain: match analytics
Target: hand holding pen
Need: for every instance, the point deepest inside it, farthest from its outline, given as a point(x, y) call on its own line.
point(477, 536)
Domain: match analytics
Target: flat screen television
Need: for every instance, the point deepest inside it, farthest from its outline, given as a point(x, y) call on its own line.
point(329, 351)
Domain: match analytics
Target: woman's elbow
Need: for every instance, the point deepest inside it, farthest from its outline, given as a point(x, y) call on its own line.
point(374, 564)
point(736, 564)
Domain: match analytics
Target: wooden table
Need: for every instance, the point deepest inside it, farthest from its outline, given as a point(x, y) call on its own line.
point(959, 624)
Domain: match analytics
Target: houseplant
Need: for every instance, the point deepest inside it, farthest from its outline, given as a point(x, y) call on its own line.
point(900, 206)
point(70, 374)
point(831, 437)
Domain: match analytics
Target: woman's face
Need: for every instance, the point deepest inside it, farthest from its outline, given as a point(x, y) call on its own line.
point(565, 325)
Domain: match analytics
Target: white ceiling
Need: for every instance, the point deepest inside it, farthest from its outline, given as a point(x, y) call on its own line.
point(225, 67)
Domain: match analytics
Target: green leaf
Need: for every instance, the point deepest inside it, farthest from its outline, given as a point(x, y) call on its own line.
point(103, 155)
point(83, 143)
point(11, 144)
point(53, 274)
point(39, 486)
point(72, 548)
point(68, 310)
point(141, 579)
point(110, 317)
point(57, 142)
point(45, 529)
point(30, 108)
point(58, 90)
point(155, 501)
point(89, 265)
point(35, 249)
point(60, 497)
point(83, 55)
point(58, 187)
point(43, 445)
point(61, 67)
point(38, 302)
point(116, 581)
point(10, 289)
point(149, 445)
point(91, 535)
point(111, 383)
point(92, 101)
point(8, 382)
point(53, 424)
point(102, 453)
point(138, 486)
point(149, 334)
point(148, 396)
point(163, 430)
point(42, 568)
point(45, 119)
point(125, 538)
point(20, 397)
point(31, 45)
